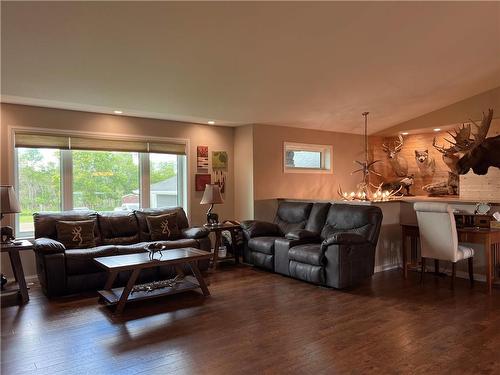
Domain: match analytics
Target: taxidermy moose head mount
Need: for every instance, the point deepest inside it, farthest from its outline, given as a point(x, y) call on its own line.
point(397, 162)
point(472, 149)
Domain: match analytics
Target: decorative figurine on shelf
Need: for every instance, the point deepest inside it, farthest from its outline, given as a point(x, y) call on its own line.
point(8, 205)
point(153, 249)
point(399, 185)
point(212, 196)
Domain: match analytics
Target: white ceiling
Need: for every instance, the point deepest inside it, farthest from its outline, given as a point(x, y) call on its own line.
point(312, 65)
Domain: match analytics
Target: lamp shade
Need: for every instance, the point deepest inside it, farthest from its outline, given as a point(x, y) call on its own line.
point(8, 200)
point(211, 195)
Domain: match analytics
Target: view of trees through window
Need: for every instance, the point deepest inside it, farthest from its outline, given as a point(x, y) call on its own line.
point(102, 181)
point(39, 172)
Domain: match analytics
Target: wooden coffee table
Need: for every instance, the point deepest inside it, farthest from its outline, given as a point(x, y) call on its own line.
point(137, 262)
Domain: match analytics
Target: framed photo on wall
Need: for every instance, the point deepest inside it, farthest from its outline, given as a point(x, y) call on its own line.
point(202, 179)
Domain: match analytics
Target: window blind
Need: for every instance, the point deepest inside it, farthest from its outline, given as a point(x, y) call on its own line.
point(37, 140)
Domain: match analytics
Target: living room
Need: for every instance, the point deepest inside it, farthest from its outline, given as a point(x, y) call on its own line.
point(250, 187)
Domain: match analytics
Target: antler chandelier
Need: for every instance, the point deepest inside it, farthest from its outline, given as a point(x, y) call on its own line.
point(365, 190)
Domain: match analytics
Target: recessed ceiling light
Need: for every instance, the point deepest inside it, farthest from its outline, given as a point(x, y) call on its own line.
point(437, 130)
point(404, 133)
point(211, 122)
point(117, 112)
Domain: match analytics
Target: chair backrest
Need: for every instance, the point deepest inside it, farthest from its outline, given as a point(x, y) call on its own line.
point(438, 231)
point(361, 219)
point(292, 215)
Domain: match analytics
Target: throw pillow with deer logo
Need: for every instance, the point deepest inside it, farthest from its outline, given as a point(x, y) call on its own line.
point(163, 227)
point(76, 234)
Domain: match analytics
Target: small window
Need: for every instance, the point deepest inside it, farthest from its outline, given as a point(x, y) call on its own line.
point(307, 158)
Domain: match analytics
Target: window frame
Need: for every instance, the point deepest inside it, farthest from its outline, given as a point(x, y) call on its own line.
point(66, 165)
point(326, 157)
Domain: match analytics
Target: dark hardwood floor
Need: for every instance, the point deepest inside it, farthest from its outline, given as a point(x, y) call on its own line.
point(259, 322)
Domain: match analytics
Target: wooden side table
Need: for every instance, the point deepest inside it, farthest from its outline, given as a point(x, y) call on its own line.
point(17, 267)
point(217, 230)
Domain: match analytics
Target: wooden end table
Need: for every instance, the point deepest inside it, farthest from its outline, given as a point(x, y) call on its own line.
point(17, 268)
point(137, 262)
point(217, 230)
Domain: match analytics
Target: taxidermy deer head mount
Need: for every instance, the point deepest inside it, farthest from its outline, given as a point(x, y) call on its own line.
point(472, 149)
point(397, 162)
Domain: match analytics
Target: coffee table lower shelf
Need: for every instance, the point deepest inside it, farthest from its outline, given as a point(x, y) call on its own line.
point(112, 296)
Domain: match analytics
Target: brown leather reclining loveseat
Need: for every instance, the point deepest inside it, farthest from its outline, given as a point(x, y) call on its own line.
point(63, 271)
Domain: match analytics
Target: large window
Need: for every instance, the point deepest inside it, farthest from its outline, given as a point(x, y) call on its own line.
point(299, 157)
point(101, 180)
point(105, 181)
point(39, 184)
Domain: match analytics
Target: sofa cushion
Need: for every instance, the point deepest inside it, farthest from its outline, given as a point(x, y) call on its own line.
point(118, 227)
point(292, 215)
point(182, 221)
point(307, 253)
point(80, 261)
point(307, 272)
point(45, 222)
point(76, 234)
point(163, 227)
point(360, 219)
point(263, 245)
point(317, 217)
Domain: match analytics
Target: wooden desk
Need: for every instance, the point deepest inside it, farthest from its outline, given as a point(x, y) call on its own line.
point(488, 237)
point(17, 266)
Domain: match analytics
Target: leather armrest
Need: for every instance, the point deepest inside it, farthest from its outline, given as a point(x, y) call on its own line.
point(344, 238)
point(45, 245)
point(195, 232)
point(255, 228)
point(302, 234)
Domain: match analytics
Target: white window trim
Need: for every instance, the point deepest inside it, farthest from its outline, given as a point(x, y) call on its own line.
point(326, 157)
point(67, 197)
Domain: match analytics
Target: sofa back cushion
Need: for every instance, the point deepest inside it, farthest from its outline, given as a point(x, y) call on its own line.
point(118, 227)
point(317, 217)
point(45, 222)
point(76, 234)
point(163, 227)
point(292, 215)
point(144, 235)
point(364, 220)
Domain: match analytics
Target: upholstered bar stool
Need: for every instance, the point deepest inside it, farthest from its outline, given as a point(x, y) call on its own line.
point(439, 239)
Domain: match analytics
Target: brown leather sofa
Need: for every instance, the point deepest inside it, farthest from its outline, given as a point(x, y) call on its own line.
point(64, 271)
point(322, 243)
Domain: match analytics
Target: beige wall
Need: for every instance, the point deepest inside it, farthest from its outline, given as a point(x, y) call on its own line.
point(455, 113)
point(217, 138)
point(243, 173)
point(271, 182)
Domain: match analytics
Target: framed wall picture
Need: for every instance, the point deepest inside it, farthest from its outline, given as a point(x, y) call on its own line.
point(202, 179)
point(219, 160)
point(202, 159)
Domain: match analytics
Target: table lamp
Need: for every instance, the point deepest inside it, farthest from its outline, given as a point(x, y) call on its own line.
point(8, 205)
point(212, 196)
